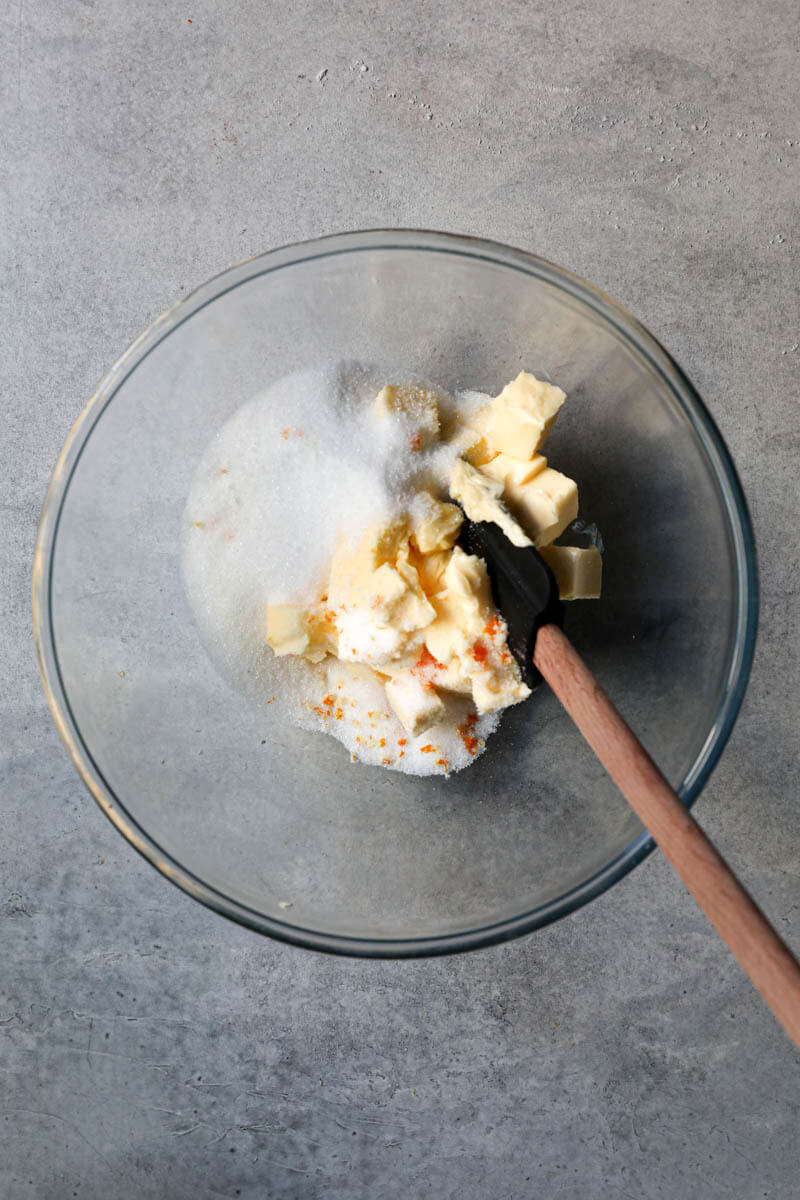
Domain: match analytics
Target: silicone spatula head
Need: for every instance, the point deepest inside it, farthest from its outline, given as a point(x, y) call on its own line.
point(523, 587)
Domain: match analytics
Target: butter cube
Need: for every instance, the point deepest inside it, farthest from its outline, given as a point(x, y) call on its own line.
point(310, 632)
point(445, 637)
point(323, 636)
point(479, 496)
point(545, 506)
point(384, 589)
point(514, 470)
point(407, 570)
point(387, 596)
point(377, 609)
point(401, 664)
point(380, 544)
point(287, 628)
point(417, 705)
point(455, 678)
point(411, 610)
point(463, 606)
point(470, 440)
point(478, 453)
point(416, 407)
point(352, 566)
point(470, 640)
point(467, 578)
point(430, 569)
point(578, 571)
point(384, 541)
point(492, 690)
point(521, 417)
point(435, 524)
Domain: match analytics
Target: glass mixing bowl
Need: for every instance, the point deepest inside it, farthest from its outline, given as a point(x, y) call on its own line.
point(274, 826)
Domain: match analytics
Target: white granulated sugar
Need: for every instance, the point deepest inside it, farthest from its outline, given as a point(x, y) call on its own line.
point(299, 467)
point(355, 710)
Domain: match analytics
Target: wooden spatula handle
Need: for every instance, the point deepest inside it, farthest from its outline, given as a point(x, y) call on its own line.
point(764, 956)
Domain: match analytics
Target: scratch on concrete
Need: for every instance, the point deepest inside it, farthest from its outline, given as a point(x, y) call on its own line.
point(40, 1112)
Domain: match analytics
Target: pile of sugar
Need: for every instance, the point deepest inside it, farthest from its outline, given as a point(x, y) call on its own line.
point(304, 464)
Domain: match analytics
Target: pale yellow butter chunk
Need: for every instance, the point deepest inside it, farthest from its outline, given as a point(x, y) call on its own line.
point(310, 632)
point(469, 638)
point(383, 541)
point(493, 689)
point(447, 638)
point(514, 471)
point(323, 636)
point(416, 407)
point(467, 578)
point(430, 569)
point(412, 610)
point(521, 417)
point(469, 438)
point(400, 665)
point(435, 523)
point(352, 566)
point(416, 705)
point(545, 505)
point(455, 678)
point(287, 628)
point(388, 596)
point(479, 496)
point(478, 453)
point(463, 607)
point(578, 571)
point(378, 609)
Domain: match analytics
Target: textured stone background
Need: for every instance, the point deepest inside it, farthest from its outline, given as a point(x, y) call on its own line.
point(148, 1048)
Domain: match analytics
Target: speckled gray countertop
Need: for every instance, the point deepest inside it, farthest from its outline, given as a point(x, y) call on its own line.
point(148, 1048)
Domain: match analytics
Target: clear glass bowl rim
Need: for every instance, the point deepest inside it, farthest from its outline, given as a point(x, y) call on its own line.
point(658, 359)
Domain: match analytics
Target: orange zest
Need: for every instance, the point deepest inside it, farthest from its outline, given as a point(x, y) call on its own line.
point(426, 666)
point(479, 652)
point(471, 743)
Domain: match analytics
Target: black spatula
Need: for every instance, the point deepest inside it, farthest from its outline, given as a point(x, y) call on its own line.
point(525, 592)
point(523, 587)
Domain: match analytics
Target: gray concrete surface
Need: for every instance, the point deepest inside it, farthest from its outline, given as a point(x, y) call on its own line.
point(148, 1048)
